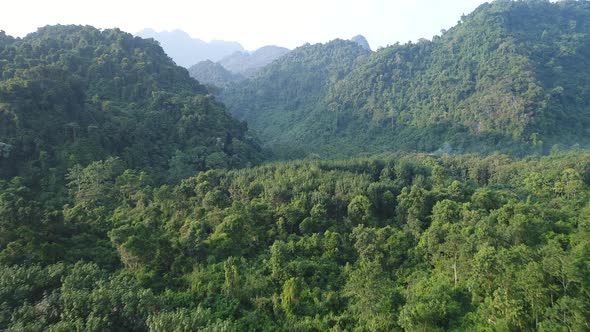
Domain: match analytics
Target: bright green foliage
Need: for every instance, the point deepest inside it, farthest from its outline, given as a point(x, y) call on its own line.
point(305, 245)
point(359, 209)
point(372, 297)
point(290, 297)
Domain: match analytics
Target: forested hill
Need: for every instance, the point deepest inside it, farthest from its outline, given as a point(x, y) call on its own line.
point(74, 94)
point(212, 73)
point(118, 212)
point(283, 101)
point(512, 75)
point(235, 67)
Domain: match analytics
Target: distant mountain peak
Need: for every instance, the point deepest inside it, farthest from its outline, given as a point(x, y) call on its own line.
point(362, 41)
point(186, 50)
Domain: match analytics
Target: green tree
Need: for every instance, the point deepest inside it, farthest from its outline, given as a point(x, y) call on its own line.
point(359, 209)
point(373, 298)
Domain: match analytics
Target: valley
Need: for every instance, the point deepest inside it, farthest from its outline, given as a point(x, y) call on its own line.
point(442, 184)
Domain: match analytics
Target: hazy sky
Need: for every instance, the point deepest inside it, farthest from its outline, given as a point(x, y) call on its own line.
point(253, 23)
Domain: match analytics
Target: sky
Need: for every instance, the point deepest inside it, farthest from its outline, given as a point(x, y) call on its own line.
point(253, 23)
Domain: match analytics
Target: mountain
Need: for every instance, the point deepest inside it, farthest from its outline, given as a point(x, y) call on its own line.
point(119, 210)
point(282, 101)
point(187, 51)
point(362, 41)
point(235, 67)
point(74, 94)
point(248, 64)
point(209, 72)
point(512, 75)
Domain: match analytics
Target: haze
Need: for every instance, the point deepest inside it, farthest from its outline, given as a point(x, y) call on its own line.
point(252, 23)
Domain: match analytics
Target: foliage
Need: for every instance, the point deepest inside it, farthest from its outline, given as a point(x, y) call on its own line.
point(75, 94)
point(105, 223)
point(308, 245)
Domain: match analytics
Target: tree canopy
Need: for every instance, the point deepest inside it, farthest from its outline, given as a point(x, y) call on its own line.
point(75, 94)
point(378, 244)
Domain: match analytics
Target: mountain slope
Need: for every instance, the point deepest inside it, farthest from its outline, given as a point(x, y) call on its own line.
point(279, 102)
point(72, 94)
point(187, 51)
point(487, 75)
point(508, 76)
point(209, 72)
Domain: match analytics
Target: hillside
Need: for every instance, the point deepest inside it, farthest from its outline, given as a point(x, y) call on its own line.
point(74, 94)
point(187, 51)
point(283, 102)
point(235, 67)
point(511, 75)
point(213, 73)
point(131, 200)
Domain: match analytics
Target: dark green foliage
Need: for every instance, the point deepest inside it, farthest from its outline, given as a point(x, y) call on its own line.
point(72, 94)
point(511, 76)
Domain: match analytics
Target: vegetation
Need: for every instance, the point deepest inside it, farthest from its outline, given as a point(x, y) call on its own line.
point(127, 200)
point(403, 242)
point(235, 67)
point(71, 95)
point(511, 76)
point(282, 101)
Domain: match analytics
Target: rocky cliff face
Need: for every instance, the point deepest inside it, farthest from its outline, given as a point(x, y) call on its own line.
point(361, 40)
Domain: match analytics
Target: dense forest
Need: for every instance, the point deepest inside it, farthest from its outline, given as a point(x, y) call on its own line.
point(70, 95)
point(511, 76)
point(396, 242)
point(282, 103)
point(131, 200)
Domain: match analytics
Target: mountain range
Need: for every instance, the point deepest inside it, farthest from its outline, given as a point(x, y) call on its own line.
point(187, 51)
point(511, 76)
point(132, 200)
point(241, 65)
point(249, 63)
point(235, 67)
